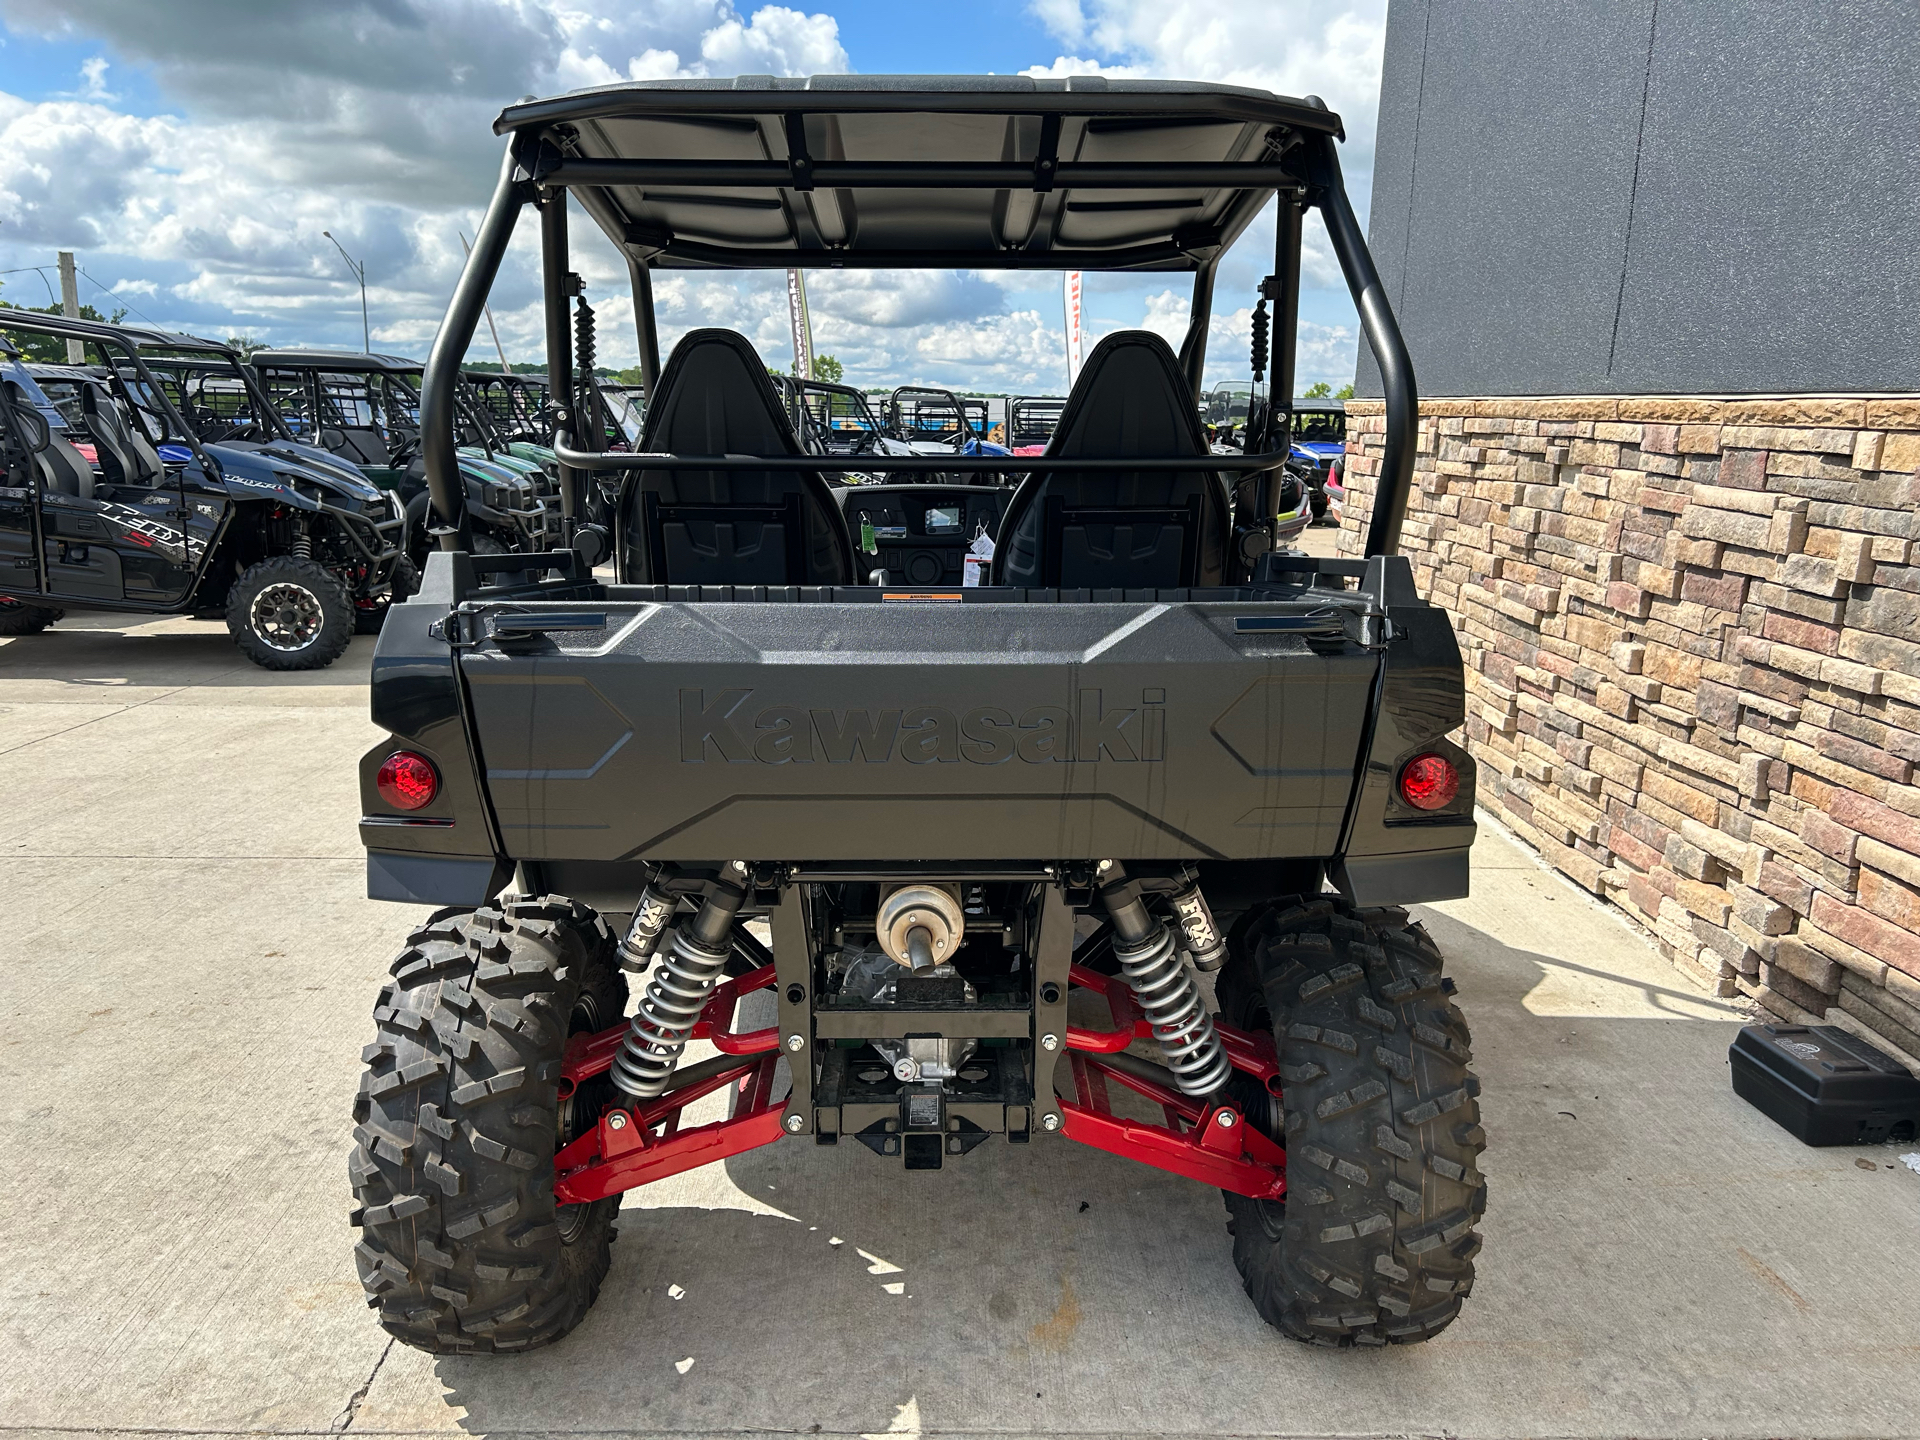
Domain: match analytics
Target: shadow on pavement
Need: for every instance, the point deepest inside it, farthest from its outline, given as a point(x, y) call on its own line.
point(1642, 1222)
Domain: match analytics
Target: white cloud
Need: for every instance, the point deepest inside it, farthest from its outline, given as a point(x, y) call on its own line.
point(93, 79)
point(371, 118)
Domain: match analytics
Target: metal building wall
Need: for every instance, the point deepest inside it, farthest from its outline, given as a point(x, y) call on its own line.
point(1651, 196)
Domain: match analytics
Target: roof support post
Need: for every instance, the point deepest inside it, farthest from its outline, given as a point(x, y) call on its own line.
point(1286, 316)
point(1383, 334)
point(1193, 349)
point(644, 323)
point(560, 387)
point(440, 383)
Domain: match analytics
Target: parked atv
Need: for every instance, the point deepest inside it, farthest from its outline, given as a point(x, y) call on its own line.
point(1148, 747)
point(156, 478)
point(366, 410)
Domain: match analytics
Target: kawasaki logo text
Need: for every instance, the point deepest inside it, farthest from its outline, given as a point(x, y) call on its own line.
point(726, 725)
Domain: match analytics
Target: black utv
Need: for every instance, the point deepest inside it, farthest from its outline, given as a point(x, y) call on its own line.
point(154, 477)
point(1150, 747)
point(365, 409)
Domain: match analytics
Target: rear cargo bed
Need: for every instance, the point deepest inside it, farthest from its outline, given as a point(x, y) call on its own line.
point(1138, 729)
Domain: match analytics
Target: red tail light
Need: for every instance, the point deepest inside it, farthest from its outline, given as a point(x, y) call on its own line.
point(1428, 782)
point(407, 781)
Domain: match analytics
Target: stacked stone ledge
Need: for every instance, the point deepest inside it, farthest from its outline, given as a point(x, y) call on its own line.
point(1692, 636)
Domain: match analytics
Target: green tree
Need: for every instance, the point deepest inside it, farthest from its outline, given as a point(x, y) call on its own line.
point(825, 367)
point(1345, 392)
point(245, 344)
point(1319, 390)
point(49, 349)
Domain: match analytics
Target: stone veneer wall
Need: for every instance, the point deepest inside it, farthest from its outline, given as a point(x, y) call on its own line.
point(1692, 635)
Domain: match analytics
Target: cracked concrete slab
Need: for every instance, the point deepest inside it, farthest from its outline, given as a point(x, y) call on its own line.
point(187, 974)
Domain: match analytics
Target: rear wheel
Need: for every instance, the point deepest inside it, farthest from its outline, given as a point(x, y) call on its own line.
point(459, 1115)
point(19, 618)
point(290, 614)
point(1374, 1243)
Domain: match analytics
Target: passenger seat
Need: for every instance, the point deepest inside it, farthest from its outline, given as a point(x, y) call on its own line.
point(125, 456)
point(1159, 530)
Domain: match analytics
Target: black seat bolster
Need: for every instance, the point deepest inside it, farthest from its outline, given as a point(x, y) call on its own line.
point(689, 527)
point(1158, 529)
point(125, 458)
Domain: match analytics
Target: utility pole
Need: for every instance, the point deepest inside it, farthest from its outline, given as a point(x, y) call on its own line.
point(359, 273)
point(70, 306)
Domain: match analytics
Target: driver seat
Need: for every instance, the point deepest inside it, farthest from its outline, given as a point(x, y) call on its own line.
point(125, 456)
point(1160, 530)
point(694, 527)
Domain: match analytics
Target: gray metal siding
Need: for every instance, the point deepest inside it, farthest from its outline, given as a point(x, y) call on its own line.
point(1651, 196)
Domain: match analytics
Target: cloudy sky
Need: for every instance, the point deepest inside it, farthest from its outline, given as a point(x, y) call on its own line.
point(192, 152)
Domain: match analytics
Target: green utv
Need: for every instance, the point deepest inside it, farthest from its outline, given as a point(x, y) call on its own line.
point(1151, 745)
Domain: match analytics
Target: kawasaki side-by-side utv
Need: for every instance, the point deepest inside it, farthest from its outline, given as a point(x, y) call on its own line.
point(155, 477)
point(365, 409)
point(971, 848)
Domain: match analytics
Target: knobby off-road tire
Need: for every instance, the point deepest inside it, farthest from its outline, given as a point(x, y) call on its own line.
point(290, 614)
point(1374, 1243)
point(462, 1248)
point(17, 618)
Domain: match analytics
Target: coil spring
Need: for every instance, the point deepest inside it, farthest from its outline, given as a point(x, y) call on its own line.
point(1169, 997)
point(585, 349)
point(302, 545)
point(1259, 355)
point(666, 1016)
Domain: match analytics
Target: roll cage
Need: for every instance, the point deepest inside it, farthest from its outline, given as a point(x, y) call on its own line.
point(1085, 173)
point(154, 404)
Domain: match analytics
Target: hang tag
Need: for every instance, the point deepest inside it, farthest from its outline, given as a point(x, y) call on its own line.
point(982, 544)
point(978, 557)
point(867, 545)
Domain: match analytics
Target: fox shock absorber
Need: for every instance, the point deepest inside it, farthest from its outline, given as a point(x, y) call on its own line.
point(650, 918)
point(1168, 992)
point(679, 989)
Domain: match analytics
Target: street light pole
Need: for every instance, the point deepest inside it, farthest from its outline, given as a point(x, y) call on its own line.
point(359, 273)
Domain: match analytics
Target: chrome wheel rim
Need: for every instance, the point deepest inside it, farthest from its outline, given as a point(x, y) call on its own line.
point(287, 616)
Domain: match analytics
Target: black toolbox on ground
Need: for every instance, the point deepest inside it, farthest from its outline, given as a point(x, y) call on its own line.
point(1825, 1085)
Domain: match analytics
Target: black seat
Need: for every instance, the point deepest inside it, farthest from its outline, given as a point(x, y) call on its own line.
point(63, 469)
point(691, 527)
point(125, 456)
point(1126, 531)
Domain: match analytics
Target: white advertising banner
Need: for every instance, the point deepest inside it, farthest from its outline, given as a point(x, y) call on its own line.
point(1072, 298)
point(802, 326)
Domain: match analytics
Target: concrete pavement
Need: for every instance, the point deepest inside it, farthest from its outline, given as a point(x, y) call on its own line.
point(188, 968)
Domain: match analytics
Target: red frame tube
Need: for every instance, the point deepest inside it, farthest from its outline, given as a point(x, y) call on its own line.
point(1211, 1143)
point(642, 1142)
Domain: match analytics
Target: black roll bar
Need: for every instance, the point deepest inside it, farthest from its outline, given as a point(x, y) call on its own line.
point(440, 382)
point(646, 327)
point(562, 394)
point(1328, 191)
point(1383, 334)
point(888, 464)
point(1193, 347)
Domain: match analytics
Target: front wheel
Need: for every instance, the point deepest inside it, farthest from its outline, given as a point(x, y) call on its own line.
point(290, 614)
point(459, 1115)
point(19, 618)
point(1374, 1242)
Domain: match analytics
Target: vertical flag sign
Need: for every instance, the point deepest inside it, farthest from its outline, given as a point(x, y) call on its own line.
point(802, 326)
point(1072, 298)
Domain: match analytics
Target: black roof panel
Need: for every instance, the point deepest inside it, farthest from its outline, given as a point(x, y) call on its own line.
point(919, 171)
